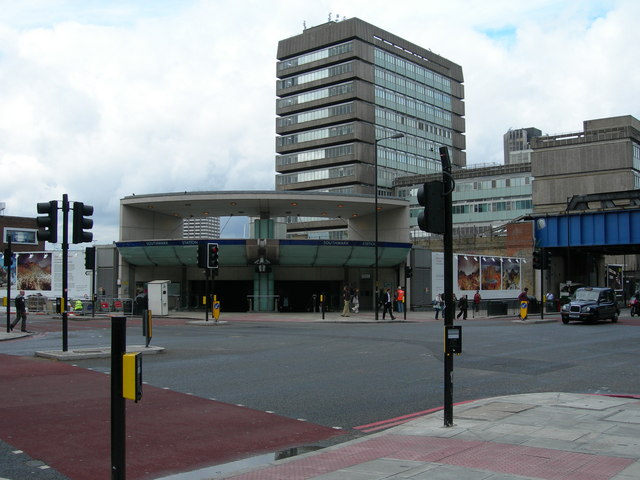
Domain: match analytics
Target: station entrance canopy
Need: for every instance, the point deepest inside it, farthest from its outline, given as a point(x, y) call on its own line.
point(233, 252)
point(612, 232)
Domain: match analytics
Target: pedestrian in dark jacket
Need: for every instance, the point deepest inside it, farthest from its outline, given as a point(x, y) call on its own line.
point(21, 312)
point(388, 304)
point(463, 305)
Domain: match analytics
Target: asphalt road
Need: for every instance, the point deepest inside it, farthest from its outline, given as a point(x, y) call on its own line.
point(350, 375)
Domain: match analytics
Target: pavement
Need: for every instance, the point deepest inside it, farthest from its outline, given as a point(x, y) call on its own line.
point(549, 435)
point(555, 436)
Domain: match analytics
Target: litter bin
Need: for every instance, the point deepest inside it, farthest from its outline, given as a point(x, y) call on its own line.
point(495, 308)
point(534, 306)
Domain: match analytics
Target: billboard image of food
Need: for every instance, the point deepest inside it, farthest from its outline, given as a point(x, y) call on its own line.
point(34, 271)
point(491, 273)
point(468, 272)
point(494, 277)
point(510, 274)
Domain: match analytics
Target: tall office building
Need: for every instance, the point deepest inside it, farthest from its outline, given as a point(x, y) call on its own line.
point(201, 227)
point(517, 145)
point(343, 89)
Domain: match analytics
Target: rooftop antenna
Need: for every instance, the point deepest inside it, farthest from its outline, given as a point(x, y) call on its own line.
point(329, 16)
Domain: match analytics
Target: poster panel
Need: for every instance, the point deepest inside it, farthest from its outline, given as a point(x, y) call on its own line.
point(491, 273)
point(41, 273)
point(495, 277)
point(34, 272)
point(614, 277)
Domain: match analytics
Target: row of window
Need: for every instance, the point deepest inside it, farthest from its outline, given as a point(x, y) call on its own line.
point(414, 89)
point(404, 121)
point(326, 92)
point(636, 156)
point(497, 206)
point(326, 112)
point(316, 75)
point(317, 55)
point(462, 186)
point(422, 109)
point(315, 175)
point(318, 134)
point(461, 231)
point(413, 144)
point(319, 154)
point(407, 162)
point(484, 207)
point(410, 69)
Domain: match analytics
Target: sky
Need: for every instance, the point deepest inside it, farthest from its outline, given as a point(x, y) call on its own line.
point(105, 99)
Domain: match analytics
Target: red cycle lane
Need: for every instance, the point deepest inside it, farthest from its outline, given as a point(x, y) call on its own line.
point(60, 414)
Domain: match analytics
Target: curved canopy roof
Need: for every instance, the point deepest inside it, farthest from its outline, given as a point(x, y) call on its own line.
point(265, 204)
point(311, 253)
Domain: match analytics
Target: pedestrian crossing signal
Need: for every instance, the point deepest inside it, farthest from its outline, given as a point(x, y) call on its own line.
point(212, 255)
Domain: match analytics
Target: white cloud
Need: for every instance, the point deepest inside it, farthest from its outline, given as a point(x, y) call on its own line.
point(104, 100)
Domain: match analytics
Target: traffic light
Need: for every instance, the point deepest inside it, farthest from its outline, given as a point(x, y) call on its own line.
point(546, 260)
point(408, 272)
point(48, 222)
point(8, 257)
point(431, 218)
point(80, 222)
point(537, 259)
point(202, 255)
point(90, 258)
point(212, 255)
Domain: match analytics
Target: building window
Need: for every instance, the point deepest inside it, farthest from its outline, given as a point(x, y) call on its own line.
point(20, 236)
point(327, 112)
point(333, 91)
point(317, 55)
point(316, 75)
point(336, 131)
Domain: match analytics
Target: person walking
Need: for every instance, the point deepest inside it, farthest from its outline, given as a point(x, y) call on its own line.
point(438, 304)
point(346, 299)
point(388, 304)
point(463, 305)
point(476, 303)
point(21, 312)
point(355, 301)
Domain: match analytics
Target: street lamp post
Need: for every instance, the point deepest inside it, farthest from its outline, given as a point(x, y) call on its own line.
point(375, 214)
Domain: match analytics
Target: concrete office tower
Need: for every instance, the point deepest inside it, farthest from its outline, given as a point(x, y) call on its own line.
point(343, 85)
point(201, 227)
point(517, 145)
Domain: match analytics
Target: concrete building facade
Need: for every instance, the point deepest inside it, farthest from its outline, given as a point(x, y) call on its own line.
point(201, 227)
point(603, 157)
point(343, 89)
point(517, 145)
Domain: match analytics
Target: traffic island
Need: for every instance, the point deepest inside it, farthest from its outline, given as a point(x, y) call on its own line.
point(96, 352)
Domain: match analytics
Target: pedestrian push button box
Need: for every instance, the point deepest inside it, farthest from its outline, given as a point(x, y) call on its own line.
point(132, 376)
point(453, 339)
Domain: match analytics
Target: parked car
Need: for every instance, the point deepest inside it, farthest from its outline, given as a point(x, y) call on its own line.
point(591, 304)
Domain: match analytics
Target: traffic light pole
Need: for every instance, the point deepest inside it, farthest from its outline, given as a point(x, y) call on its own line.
point(207, 272)
point(118, 408)
point(543, 299)
point(10, 253)
point(449, 310)
point(65, 260)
